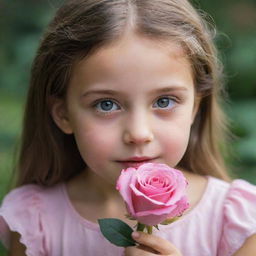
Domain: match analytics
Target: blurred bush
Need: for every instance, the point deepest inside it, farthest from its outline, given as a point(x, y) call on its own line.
point(236, 41)
point(21, 26)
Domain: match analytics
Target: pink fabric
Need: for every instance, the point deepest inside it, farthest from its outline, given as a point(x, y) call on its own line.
point(49, 225)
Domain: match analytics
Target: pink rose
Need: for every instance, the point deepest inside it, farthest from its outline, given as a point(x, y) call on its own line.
point(153, 192)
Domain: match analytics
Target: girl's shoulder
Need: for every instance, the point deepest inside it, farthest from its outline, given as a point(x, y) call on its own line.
point(30, 196)
point(238, 212)
point(235, 198)
point(240, 205)
point(24, 210)
point(235, 192)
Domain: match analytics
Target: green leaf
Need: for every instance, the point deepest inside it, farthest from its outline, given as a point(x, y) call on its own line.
point(2, 250)
point(117, 232)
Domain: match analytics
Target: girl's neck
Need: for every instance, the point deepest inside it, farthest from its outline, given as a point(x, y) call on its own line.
point(93, 200)
point(88, 186)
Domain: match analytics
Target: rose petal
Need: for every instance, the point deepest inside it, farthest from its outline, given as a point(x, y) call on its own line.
point(123, 182)
point(154, 217)
point(157, 212)
point(163, 197)
point(146, 198)
point(182, 205)
point(152, 220)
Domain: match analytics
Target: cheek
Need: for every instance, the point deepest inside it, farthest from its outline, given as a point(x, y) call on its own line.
point(94, 142)
point(176, 146)
point(174, 140)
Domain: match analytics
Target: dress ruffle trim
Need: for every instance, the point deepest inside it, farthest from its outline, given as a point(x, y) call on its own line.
point(22, 211)
point(239, 216)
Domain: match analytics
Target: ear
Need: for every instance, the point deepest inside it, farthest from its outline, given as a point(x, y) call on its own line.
point(195, 108)
point(60, 115)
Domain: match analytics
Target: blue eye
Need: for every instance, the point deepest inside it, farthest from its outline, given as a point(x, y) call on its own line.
point(164, 103)
point(106, 106)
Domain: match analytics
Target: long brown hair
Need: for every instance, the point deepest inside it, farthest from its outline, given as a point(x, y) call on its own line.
point(79, 28)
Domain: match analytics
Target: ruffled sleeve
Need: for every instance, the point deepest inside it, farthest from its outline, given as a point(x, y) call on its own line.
point(239, 218)
point(22, 212)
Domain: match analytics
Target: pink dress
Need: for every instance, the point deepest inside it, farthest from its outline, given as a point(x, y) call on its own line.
point(49, 225)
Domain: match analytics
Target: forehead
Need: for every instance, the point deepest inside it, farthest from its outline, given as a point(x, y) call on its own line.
point(134, 59)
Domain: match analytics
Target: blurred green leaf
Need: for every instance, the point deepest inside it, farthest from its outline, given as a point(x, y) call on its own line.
point(3, 251)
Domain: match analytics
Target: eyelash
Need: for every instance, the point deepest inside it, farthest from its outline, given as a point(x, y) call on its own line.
point(170, 98)
point(106, 112)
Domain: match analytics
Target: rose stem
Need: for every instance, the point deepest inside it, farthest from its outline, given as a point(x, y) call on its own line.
point(140, 227)
point(149, 229)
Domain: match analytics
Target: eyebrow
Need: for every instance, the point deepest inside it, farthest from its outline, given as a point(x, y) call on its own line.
point(169, 89)
point(113, 92)
point(100, 91)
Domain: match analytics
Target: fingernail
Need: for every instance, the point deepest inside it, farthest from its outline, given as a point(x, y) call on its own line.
point(135, 235)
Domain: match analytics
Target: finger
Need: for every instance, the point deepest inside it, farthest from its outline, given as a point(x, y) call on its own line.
point(157, 243)
point(137, 251)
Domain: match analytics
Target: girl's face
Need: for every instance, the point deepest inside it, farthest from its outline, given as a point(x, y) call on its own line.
point(129, 103)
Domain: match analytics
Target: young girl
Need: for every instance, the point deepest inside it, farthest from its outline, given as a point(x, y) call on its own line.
point(118, 83)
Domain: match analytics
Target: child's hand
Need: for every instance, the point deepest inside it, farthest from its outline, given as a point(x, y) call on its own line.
point(151, 245)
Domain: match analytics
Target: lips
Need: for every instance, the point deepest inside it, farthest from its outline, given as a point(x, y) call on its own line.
point(136, 162)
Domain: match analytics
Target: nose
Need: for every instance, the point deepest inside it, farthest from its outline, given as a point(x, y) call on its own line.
point(137, 130)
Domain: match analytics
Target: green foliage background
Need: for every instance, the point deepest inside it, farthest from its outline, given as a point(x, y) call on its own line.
point(21, 26)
